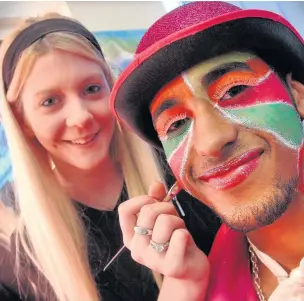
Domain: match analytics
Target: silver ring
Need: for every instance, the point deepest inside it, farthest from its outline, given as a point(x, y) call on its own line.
point(142, 231)
point(159, 247)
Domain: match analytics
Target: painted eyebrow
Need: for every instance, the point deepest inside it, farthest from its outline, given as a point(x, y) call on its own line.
point(213, 75)
point(167, 104)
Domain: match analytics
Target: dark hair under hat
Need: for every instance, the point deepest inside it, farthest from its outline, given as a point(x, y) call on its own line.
point(193, 33)
point(34, 32)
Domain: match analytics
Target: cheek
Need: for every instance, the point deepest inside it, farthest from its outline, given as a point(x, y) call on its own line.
point(177, 151)
point(110, 129)
point(107, 123)
point(47, 132)
point(102, 113)
point(301, 168)
point(268, 107)
point(44, 128)
point(286, 163)
point(277, 119)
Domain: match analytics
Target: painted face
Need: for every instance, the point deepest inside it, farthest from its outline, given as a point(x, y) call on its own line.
point(227, 126)
point(65, 102)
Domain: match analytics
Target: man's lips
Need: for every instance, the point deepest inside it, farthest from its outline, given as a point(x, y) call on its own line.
point(233, 172)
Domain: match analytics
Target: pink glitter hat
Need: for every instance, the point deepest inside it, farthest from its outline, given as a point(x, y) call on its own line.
point(193, 33)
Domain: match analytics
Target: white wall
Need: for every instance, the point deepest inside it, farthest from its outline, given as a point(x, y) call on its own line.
point(120, 15)
point(116, 15)
point(293, 11)
point(95, 15)
point(13, 12)
point(126, 15)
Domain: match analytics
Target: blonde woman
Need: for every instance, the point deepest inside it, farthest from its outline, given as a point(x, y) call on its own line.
point(72, 166)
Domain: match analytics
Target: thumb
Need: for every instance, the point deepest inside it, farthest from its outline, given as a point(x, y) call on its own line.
point(157, 191)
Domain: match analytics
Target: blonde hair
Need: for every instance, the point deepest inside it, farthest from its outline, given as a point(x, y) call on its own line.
point(8, 222)
point(49, 228)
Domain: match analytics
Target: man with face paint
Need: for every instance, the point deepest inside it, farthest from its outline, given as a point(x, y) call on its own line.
point(221, 91)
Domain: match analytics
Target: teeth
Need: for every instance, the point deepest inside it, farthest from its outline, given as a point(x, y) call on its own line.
point(82, 141)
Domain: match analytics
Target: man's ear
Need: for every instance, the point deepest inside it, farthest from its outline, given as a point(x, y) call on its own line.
point(297, 90)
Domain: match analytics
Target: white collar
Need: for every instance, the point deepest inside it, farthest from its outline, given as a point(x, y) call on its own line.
point(274, 267)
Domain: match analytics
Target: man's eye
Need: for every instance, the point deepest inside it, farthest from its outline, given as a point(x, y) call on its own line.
point(177, 125)
point(234, 91)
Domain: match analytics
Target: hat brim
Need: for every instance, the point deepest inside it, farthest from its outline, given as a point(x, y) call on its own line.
point(264, 33)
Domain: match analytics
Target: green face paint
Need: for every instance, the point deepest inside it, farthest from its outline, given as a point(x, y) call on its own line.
point(278, 118)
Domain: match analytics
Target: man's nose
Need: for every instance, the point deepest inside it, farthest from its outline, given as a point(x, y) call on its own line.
point(212, 131)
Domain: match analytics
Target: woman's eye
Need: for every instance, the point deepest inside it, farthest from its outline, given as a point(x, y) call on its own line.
point(49, 102)
point(177, 125)
point(92, 89)
point(234, 91)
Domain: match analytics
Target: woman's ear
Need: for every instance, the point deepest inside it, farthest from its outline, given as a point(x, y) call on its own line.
point(297, 91)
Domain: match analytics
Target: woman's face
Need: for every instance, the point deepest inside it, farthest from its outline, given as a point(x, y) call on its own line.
point(65, 104)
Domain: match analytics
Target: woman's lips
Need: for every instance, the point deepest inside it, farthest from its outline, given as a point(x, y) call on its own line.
point(86, 141)
point(234, 172)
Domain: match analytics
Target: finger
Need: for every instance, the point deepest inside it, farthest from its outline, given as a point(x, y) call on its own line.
point(157, 191)
point(143, 252)
point(297, 85)
point(128, 211)
point(178, 244)
point(289, 79)
point(149, 213)
point(149, 218)
point(176, 253)
point(164, 227)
